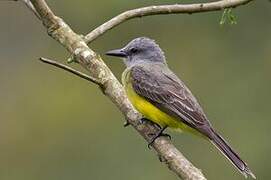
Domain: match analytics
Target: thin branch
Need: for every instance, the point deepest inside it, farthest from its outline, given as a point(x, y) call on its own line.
point(69, 69)
point(163, 9)
point(30, 6)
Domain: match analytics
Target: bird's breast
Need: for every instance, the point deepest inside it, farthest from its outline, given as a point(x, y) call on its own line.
point(146, 108)
point(149, 111)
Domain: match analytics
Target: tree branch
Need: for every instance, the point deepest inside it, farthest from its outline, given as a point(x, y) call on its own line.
point(102, 75)
point(69, 69)
point(30, 6)
point(163, 9)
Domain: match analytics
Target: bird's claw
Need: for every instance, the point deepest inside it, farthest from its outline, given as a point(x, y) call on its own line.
point(143, 120)
point(155, 136)
point(126, 124)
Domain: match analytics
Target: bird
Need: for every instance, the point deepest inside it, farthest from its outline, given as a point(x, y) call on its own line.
point(163, 98)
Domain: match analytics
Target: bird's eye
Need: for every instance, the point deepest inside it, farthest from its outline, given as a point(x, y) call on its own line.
point(133, 50)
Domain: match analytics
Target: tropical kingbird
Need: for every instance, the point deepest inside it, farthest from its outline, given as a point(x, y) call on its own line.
point(160, 96)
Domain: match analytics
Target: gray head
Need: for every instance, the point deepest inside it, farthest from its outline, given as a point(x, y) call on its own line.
point(140, 50)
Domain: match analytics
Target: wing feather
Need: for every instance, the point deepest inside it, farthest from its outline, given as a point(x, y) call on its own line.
point(166, 91)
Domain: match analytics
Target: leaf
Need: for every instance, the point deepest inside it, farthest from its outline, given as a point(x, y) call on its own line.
point(228, 16)
point(223, 17)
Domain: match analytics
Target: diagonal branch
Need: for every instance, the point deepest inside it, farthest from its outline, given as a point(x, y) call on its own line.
point(163, 9)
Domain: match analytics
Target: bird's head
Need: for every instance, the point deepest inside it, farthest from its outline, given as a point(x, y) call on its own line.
point(139, 50)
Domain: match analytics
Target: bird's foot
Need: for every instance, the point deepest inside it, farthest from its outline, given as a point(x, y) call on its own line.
point(143, 120)
point(126, 124)
point(158, 134)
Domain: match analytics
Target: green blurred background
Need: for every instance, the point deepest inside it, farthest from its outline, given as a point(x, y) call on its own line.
point(56, 126)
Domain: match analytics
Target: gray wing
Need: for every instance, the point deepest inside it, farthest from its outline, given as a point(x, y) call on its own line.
point(166, 91)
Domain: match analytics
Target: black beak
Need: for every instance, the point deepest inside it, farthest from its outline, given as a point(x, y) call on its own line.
point(117, 53)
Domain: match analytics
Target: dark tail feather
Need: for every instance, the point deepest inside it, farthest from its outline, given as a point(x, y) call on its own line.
point(227, 151)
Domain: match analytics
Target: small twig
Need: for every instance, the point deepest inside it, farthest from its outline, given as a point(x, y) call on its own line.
point(30, 6)
point(163, 9)
point(69, 69)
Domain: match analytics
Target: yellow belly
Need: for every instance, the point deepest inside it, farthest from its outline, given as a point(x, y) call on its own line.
point(151, 112)
point(154, 114)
